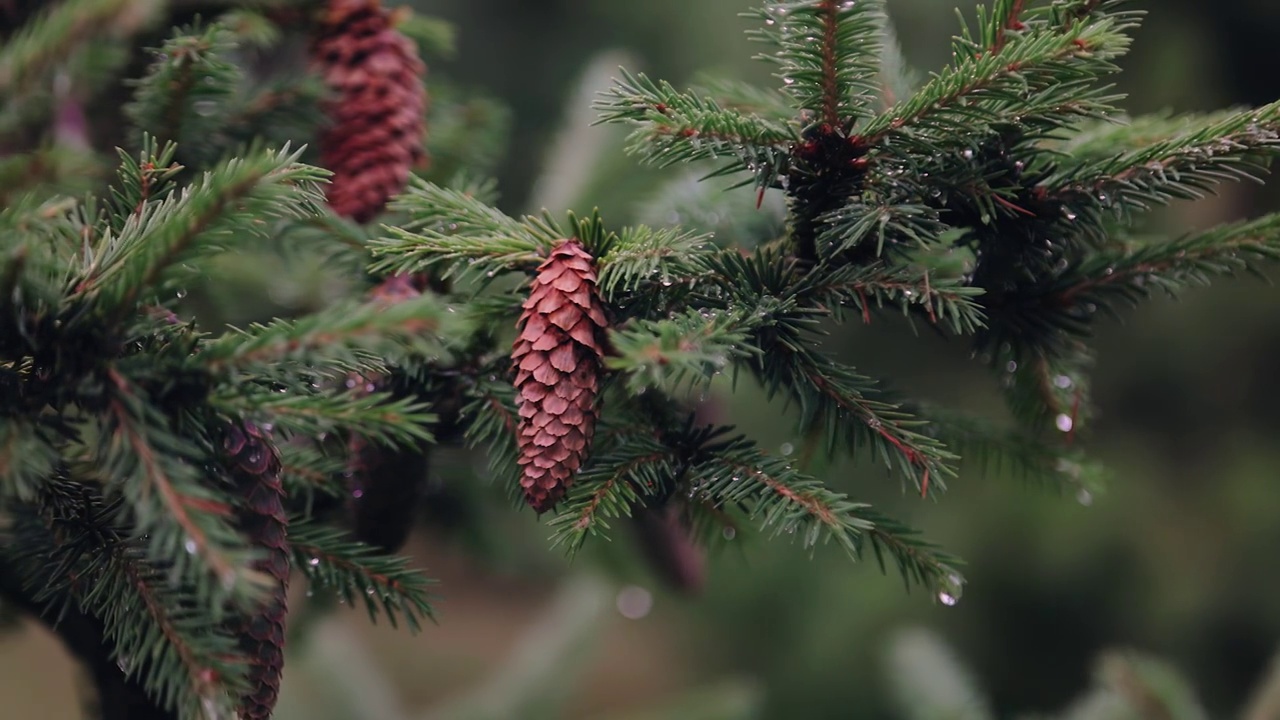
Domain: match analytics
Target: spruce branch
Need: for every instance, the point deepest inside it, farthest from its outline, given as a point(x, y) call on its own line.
point(1133, 273)
point(734, 472)
point(1049, 387)
point(381, 417)
point(460, 231)
point(348, 337)
point(227, 202)
point(353, 570)
point(161, 476)
point(684, 351)
point(852, 412)
point(139, 180)
point(618, 479)
point(1214, 149)
point(876, 223)
point(918, 561)
point(28, 456)
point(942, 299)
point(641, 254)
point(674, 126)
point(1041, 69)
point(184, 97)
point(61, 30)
point(492, 422)
point(746, 98)
point(305, 470)
point(1018, 452)
point(828, 54)
point(158, 632)
point(849, 409)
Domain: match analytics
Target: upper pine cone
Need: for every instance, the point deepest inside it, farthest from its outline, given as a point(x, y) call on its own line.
point(558, 358)
point(375, 133)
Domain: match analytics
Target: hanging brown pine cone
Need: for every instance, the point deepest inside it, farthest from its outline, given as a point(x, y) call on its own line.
point(254, 463)
point(558, 359)
point(385, 485)
point(375, 128)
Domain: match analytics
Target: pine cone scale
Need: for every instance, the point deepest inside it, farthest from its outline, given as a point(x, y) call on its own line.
point(557, 359)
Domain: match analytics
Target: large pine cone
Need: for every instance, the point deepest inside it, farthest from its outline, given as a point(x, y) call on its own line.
point(254, 463)
point(558, 358)
point(376, 117)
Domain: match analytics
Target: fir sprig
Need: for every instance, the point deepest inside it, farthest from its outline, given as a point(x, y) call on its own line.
point(348, 337)
point(1185, 165)
point(827, 53)
point(380, 417)
point(161, 475)
point(186, 93)
point(61, 30)
point(677, 127)
point(386, 584)
point(163, 635)
point(133, 258)
point(684, 351)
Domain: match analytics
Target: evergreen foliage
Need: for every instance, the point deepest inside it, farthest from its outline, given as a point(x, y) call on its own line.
point(996, 201)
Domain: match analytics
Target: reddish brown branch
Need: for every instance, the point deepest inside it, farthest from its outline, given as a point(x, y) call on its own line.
point(830, 84)
point(1013, 21)
point(811, 504)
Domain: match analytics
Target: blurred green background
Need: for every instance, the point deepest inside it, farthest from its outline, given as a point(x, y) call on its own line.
point(1175, 559)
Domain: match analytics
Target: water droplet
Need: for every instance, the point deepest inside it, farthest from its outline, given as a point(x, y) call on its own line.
point(770, 21)
point(370, 591)
point(968, 154)
point(1062, 382)
point(1011, 366)
point(729, 533)
point(787, 448)
point(634, 602)
point(190, 546)
point(314, 562)
point(182, 292)
point(1064, 422)
point(950, 594)
point(1084, 497)
point(788, 80)
point(357, 493)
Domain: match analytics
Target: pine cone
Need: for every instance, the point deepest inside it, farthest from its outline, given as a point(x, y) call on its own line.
point(254, 463)
point(376, 127)
point(386, 484)
point(558, 359)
